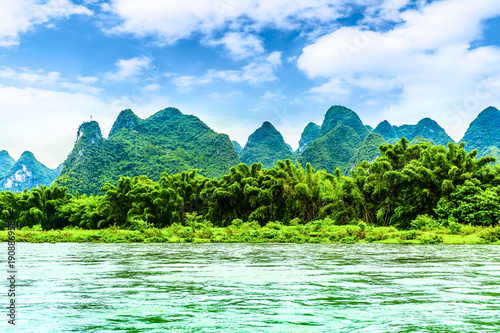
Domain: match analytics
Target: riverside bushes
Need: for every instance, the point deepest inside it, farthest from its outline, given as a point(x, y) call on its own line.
point(253, 233)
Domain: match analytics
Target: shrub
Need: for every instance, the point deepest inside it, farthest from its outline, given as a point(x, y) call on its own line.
point(425, 222)
point(434, 239)
point(237, 223)
point(455, 228)
point(274, 225)
point(349, 239)
point(134, 237)
point(490, 234)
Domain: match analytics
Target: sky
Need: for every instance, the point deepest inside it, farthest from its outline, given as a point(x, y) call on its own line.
point(237, 63)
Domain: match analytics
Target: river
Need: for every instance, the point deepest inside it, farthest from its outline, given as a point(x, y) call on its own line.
point(94, 287)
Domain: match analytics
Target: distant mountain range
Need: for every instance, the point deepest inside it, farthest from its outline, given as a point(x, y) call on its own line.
point(172, 142)
point(24, 173)
point(168, 141)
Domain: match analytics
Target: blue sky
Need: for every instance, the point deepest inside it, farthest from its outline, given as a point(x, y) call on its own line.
point(238, 63)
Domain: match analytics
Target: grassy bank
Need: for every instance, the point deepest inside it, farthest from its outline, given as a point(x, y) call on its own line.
point(322, 231)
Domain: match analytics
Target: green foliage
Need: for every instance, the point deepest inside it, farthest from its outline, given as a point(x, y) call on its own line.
point(368, 151)
point(425, 222)
point(333, 150)
point(421, 187)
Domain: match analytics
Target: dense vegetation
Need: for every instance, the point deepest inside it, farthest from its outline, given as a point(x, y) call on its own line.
point(167, 141)
point(333, 150)
point(407, 187)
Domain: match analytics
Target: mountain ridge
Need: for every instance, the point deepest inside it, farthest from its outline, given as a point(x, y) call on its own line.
point(26, 173)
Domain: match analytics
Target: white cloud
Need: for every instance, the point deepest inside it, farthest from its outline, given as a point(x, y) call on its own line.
point(45, 122)
point(19, 16)
point(240, 45)
point(129, 68)
point(87, 79)
point(53, 80)
point(219, 95)
point(170, 21)
point(428, 58)
point(268, 95)
point(258, 71)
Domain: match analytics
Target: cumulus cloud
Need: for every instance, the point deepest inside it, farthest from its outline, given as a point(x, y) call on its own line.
point(54, 80)
point(428, 58)
point(258, 71)
point(170, 21)
point(18, 17)
point(240, 45)
point(129, 68)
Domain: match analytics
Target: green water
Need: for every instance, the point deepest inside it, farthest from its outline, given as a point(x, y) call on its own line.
point(256, 288)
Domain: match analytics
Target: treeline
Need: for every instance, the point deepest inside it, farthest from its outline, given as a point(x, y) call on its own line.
point(444, 183)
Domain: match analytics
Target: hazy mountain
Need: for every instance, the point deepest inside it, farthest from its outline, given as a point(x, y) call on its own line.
point(6, 162)
point(310, 133)
point(265, 145)
point(237, 146)
point(168, 141)
point(26, 173)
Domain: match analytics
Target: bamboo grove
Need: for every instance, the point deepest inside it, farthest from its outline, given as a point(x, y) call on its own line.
point(445, 183)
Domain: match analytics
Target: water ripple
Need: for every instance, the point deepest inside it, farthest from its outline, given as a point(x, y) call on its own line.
point(257, 288)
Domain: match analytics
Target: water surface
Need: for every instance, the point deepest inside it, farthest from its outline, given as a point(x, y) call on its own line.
point(89, 287)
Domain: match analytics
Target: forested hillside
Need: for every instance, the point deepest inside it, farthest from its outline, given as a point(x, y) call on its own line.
point(446, 185)
point(168, 141)
point(265, 145)
point(172, 142)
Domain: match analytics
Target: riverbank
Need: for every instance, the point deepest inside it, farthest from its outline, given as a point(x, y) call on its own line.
point(313, 232)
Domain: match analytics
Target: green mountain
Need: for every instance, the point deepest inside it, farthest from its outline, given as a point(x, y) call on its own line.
point(168, 141)
point(265, 145)
point(416, 140)
point(333, 150)
point(6, 162)
point(387, 131)
point(310, 133)
point(126, 119)
point(368, 151)
point(27, 173)
point(425, 128)
point(237, 146)
point(483, 133)
point(340, 115)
